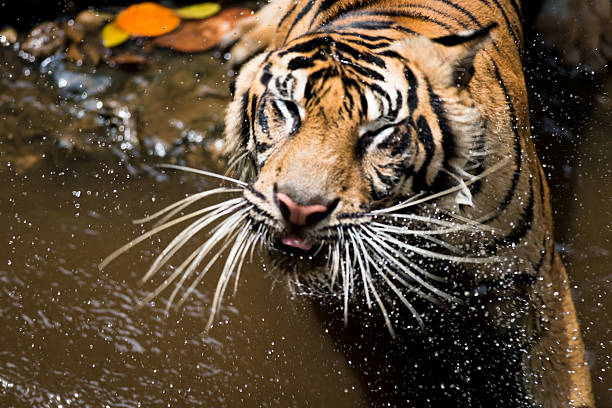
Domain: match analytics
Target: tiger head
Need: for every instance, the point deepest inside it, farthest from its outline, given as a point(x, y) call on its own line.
point(327, 130)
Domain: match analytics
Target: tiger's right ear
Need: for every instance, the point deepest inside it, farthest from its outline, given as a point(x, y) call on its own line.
point(461, 48)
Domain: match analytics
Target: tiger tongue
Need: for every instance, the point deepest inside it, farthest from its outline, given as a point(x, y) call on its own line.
point(296, 242)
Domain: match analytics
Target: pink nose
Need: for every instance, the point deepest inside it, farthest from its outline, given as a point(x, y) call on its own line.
point(298, 214)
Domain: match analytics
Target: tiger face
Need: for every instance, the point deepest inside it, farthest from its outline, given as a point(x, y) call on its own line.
point(327, 131)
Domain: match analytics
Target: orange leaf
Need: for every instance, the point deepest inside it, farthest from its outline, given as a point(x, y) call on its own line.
point(147, 20)
point(197, 36)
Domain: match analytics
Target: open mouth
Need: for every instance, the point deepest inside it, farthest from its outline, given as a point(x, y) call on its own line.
point(296, 242)
point(295, 245)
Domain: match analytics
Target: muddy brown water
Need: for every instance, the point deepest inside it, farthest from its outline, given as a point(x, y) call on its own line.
point(72, 182)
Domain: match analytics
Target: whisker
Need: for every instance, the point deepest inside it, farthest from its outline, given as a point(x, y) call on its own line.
point(203, 172)
point(395, 275)
point(347, 275)
point(382, 308)
point(401, 296)
point(389, 257)
point(431, 220)
point(336, 263)
point(423, 272)
point(475, 222)
point(405, 231)
point(230, 225)
point(170, 279)
point(184, 236)
point(251, 239)
point(155, 230)
point(444, 244)
point(185, 202)
point(239, 247)
point(431, 254)
point(442, 193)
point(363, 266)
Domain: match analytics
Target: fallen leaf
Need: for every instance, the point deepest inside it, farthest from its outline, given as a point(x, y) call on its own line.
point(147, 20)
point(197, 36)
point(113, 35)
point(198, 11)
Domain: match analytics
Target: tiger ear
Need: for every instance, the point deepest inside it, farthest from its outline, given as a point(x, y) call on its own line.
point(460, 49)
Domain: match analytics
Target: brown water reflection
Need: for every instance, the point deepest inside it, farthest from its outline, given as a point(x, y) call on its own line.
point(71, 335)
point(584, 233)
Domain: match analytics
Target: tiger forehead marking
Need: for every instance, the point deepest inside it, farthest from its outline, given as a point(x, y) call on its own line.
point(366, 110)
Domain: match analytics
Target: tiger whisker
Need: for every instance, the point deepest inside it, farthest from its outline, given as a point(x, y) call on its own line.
point(335, 269)
point(174, 212)
point(430, 220)
point(381, 249)
point(186, 202)
point(404, 231)
point(203, 172)
point(398, 292)
point(178, 271)
point(420, 270)
point(251, 241)
point(363, 266)
point(442, 193)
point(382, 307)
point(346, 274)
point(184, 236)
point(240, 247)
point(444, 244)
point(203, 251)
point(226, 229)
point(427, 235)
point(405, 269)
point(468, 221)
point(431, 254)
point(162, 227)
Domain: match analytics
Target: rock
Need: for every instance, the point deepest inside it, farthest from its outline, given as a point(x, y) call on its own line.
point(8, 36)
point(93, 52)
point(44, 39)
point(74, 54)
point(74, 31)
point(92, 20)
point(74, 84)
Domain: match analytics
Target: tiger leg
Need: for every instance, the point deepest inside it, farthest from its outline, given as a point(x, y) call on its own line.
point(255, 33)
point(556, 368)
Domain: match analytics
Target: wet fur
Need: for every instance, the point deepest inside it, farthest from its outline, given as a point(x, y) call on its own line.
point(513, 201)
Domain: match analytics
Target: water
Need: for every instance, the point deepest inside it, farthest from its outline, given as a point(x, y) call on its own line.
point(77, 168)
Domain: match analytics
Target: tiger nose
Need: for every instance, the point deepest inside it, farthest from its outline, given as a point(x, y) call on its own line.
point(301, 215)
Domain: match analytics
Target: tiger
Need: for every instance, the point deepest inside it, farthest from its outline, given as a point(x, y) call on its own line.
point(381, 155)
point(393, 138)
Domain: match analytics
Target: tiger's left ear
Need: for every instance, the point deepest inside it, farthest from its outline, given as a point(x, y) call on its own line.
point(460, 49)
point(449, 60)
